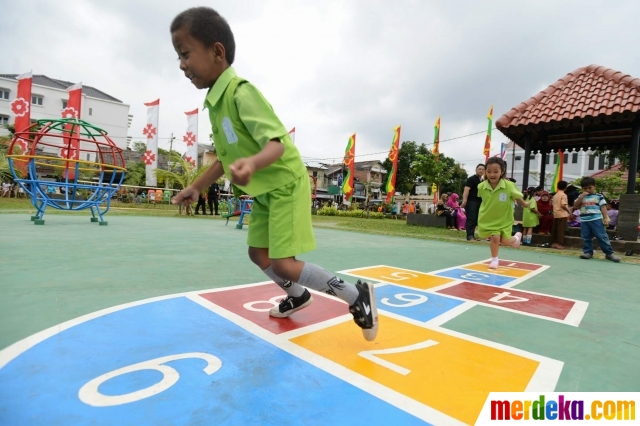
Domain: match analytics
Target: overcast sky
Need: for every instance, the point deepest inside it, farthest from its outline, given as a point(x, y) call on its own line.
point(332, 68)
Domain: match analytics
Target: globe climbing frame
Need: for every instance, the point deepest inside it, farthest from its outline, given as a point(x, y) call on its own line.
point(60, 145)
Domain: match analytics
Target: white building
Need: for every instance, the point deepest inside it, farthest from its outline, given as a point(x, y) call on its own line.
point(576, 165)
point(49, 97)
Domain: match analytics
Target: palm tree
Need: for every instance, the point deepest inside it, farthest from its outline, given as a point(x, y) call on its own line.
point(184, 175)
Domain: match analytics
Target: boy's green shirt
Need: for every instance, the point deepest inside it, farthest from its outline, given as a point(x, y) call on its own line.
point(243, 122)
point(496, 209)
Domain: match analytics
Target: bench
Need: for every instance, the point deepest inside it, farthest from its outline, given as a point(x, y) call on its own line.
point(427, 220)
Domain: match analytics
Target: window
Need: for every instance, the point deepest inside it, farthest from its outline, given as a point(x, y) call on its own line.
point(592, 162)
point(565, 158)
point(4, 120)
point(4, 93)
point(64, 103)
point(546, 159)
point(518, 158)
point(601, 162)
point(90, 111)
point(555, 158)
point(315, 174)
point(532, 157)
point(37, 100)
point(574, 158)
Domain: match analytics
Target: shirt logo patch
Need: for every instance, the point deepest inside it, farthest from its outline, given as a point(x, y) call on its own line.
point(227, 127)
point(503, 196)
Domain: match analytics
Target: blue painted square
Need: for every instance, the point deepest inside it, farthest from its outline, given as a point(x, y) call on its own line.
point(257, 383)
point(414, 304)
point(476, 277)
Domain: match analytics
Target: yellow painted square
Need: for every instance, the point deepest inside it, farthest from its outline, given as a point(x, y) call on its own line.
point(400, 276)
point(452, 375)
point(509, 272)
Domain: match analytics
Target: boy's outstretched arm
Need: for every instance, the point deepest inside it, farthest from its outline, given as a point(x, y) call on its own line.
point(243, 169)
point(189, 195)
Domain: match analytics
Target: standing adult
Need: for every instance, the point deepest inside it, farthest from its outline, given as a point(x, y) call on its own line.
point(471, 201)
point(213, 194)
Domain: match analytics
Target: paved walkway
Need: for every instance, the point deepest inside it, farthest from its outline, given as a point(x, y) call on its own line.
point(451, 329)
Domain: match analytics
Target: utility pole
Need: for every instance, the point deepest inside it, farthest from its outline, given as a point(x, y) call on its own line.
point(169, 162)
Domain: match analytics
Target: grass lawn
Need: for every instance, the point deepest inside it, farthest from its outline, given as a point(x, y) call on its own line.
point(396, 228)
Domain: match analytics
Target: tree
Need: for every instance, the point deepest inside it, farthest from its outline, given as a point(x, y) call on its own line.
point(140, 146)
point(182, 174)
point(407, 175)
point(136, 174)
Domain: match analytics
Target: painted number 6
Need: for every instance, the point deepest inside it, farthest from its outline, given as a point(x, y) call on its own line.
point(411, 299)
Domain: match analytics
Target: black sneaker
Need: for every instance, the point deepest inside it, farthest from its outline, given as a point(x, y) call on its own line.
point(364, 310)
point(291, 304)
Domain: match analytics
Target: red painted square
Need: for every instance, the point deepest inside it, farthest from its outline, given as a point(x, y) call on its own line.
point(253, 304)
point(508, 298)
point(517, 265)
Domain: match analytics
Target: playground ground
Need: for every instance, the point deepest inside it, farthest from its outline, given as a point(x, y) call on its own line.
point(158, 320)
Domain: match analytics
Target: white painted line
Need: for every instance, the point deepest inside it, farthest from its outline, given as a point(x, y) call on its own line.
point(372, 387)
point(575, 315)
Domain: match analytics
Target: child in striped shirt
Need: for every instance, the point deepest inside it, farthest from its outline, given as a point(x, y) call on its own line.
point(594, 219)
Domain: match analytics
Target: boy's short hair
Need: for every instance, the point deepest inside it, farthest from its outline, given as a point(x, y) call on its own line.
point(207, 26)
point(562, 185)
point(587, 181)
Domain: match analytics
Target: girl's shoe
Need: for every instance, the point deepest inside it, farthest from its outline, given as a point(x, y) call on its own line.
point(493, 264)
point(518, 240)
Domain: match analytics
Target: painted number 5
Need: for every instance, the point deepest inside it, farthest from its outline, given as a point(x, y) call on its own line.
point(411, 299)
point(90, 395)
point(399, 276)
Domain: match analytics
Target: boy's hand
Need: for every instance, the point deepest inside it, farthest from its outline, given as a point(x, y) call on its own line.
point(606, 220)
point(242, 170)
point(186, 197)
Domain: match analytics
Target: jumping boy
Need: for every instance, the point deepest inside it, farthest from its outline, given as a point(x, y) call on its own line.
point(496, 210)
point(254, 149)
point(594, 219)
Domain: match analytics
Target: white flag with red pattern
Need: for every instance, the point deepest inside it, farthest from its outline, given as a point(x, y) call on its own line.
point(191, 137)
point(150, 157)
point(21, 107)
point(71, 147)
point(292, 134)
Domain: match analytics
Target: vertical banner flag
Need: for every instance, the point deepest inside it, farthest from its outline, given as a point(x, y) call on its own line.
point(503, 151)
point(487, 141)
point(292, 134)
point(191, 138)
point(71, 147)
point(349, 159)
point(150, 157)
point(393, 157)
point(436, 139)
point(21, 107)
point(557, 176)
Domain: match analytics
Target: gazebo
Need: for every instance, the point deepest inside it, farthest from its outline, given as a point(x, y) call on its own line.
point(590, 108)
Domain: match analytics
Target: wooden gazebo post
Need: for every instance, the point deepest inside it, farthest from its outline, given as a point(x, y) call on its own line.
point(630, 202)
point(543, 166)
point(527, 161)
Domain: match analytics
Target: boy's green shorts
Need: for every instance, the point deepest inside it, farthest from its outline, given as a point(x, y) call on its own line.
point(504, 232)
point(281, 220)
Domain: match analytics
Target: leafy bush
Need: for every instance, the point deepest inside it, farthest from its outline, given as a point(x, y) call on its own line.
point(332, 211)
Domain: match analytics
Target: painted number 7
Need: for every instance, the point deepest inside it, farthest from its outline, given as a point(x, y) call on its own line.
point(371, 355)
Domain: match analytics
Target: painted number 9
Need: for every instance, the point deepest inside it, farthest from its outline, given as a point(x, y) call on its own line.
point(410, 299)
point(90, 395)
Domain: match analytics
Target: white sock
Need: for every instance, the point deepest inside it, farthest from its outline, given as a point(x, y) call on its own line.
point(494, 259)
point(292, 289)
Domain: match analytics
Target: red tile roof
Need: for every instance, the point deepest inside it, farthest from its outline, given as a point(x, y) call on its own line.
point(614, 169)
point(591, 91)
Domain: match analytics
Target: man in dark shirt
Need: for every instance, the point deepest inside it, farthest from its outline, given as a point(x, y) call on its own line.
point(471, 201)
point(213, 194)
